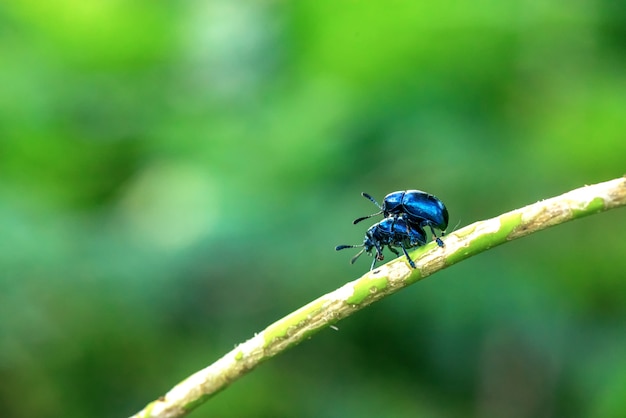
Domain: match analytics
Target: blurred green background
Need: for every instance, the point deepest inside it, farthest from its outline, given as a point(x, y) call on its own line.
point(174, 177)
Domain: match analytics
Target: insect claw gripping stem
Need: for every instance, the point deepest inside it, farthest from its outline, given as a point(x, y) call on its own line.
point(407, 256)
point(435, 237)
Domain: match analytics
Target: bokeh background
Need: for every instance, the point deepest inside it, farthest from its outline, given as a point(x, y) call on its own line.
point(174, 177)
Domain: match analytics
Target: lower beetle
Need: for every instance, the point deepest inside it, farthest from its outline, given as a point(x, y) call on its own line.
point(416, 207)
point(392, 233)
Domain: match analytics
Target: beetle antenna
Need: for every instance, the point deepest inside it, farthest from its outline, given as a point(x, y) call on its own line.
point(356, 221)
point(371, 199)
point(455, 226)
point(353, 259)
point(343, 247)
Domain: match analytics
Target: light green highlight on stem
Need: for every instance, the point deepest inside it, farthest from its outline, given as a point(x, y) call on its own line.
point(366, 287)
point(595, 206)
point(507, 224)
point(281, 328)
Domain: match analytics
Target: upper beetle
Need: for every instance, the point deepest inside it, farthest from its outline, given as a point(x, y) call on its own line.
point(392, 233)
point(416, 207)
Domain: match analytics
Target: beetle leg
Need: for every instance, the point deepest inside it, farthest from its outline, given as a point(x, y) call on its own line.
point(393, 223)
point(373, 263)
point(379, 251)
point(435, 237)
point(393, 250)
point(407, 256)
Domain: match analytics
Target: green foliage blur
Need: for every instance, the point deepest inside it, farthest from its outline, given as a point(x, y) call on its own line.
point(174, 177)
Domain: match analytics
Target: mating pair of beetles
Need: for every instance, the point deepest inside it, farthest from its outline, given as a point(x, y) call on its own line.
point(406, 215)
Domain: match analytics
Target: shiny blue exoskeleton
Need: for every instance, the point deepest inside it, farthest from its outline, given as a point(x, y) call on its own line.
point(392, 233)
point(416, 207)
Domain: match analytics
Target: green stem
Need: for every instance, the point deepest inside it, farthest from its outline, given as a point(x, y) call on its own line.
point(379, 283)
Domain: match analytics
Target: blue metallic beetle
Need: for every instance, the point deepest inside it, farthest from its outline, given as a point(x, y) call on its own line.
point(416, 207)
point(392, 233)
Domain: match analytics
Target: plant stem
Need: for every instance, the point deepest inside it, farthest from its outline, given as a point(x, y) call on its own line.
point(379, 283)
